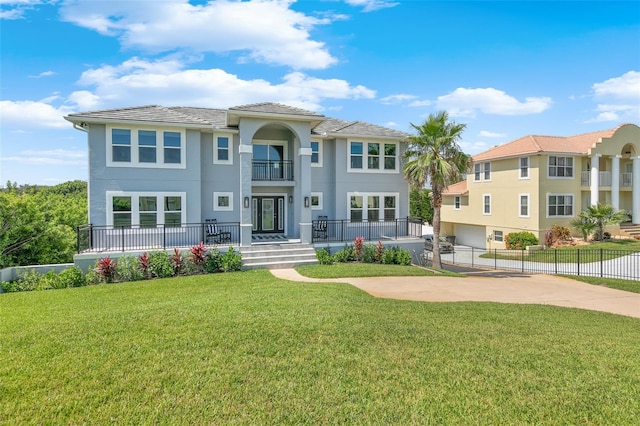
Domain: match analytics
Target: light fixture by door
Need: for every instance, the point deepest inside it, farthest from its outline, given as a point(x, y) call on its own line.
point(246, 202)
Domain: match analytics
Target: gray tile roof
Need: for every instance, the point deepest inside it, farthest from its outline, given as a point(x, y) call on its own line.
point(151, 113)
point(215, 117)
point(359, 128)
point(275, 108)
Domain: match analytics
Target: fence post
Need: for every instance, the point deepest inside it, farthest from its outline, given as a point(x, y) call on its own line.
point(472, 256)
point(164, 236)
point(495, 258)
point(578, 252)
point(601, 264)
point(555, 260)
point(342, 230)
point(91, 236)
point(122, 229)
point(522, 261)
point(368, 230)
point(396, 220)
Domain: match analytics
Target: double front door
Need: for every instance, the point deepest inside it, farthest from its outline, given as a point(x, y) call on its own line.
point(268, 214)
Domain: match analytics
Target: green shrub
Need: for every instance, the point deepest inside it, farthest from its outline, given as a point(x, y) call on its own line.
point(520, 240)
point(160, 265)
point(213, 261)
point(127, 269)
point(72, 277)
point(345, 255)
point(369, 253)
point(92, 277)
point(231, 260)
point(403, 257)
point(50, 281)
point(323, 256)
point(389, 256)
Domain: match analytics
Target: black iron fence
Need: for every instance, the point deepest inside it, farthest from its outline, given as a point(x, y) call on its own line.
point(589, 262)
point(346, 230)
point(92, 238)
point(272, 170)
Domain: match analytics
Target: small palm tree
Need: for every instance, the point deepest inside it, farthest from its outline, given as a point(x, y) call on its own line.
point(434, 156)
point(603, 215)
point(583, 223)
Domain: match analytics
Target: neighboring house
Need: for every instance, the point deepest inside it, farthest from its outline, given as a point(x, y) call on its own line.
point(268, 168)
point(536, 182)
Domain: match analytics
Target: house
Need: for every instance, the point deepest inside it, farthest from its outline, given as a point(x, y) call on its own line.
point(160, 176)
point(535, 182)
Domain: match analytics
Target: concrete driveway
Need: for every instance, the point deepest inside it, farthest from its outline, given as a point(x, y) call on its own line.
point(497, 287)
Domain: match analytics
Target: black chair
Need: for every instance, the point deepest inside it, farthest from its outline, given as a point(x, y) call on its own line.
point(320, 228)
point(213, 232)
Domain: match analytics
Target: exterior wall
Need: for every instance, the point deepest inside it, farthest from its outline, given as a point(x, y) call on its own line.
point(323, 180)
point(551, 185)
point(219, 178)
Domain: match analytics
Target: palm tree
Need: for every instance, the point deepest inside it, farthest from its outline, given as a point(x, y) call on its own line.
point(603, 215)
point(583, 223)
point(434, 156)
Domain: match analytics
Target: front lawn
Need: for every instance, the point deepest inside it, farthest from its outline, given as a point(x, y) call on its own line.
point(626, 285)
point(247, 348)
point(361, 270)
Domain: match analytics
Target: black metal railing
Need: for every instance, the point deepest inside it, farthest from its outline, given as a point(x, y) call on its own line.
point(91, 238)
point(589, 262)
point(344, 230)
point(272, 170)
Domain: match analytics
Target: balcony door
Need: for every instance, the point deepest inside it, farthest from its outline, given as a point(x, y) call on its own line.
point(268, 215)
point(268, 160)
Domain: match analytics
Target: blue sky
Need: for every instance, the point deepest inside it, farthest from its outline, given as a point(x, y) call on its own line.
point(506, 69)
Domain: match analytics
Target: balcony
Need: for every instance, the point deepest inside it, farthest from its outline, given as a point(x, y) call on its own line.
point(267, 170)
point(604, 179)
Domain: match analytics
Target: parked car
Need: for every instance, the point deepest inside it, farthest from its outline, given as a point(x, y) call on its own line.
point(445, 246)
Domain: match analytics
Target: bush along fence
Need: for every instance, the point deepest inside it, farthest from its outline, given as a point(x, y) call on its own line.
point(603, 263)
point(365, 253)
point(159, 264)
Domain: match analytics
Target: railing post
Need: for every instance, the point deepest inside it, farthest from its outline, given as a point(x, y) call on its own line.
point(164, 236)
point(368, 230)
point(601, 264)
point(396, 220)
point(472, 256)
point(122, 228)
point(578, 254)
point(522, 262)
point(342, 230)
point(78, 239)
point(91, 236)
point(495, 258)
point(555, 260)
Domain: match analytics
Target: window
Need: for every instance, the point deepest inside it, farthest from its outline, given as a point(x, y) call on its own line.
point(145, 209)
point(316, 154)
point(380, 157)
point(316, 201)
point(560, 205)
point(524, 168)
point(487, 171)
point(561, 167)
point(139, 147)
point(373, 206)
point(524, 205)
point(498, 236)
point(476, 172)
point(456, 202)
point(482, 172)
point(222, 150)
point(223, 201)
point(121, 145)
point(486, 204)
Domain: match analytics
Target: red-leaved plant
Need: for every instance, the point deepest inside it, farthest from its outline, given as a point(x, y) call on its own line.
point(358, 244)
point(198, 255)
point(143, 264)
point(177, 261)
point(106, 268)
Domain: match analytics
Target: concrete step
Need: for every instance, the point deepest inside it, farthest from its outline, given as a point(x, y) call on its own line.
point(272, 256)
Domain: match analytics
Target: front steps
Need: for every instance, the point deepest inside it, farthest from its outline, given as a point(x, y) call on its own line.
point(276, 256)
point(629, 230)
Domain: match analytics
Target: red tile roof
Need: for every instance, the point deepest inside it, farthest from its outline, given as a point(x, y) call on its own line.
point(459, 188)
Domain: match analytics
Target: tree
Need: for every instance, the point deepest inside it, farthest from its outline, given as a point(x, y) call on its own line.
point(603, 215)
point(420, 204)
point(434, 155)
point(584, 224)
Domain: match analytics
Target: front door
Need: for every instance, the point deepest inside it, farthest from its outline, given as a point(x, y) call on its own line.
point(268, 214)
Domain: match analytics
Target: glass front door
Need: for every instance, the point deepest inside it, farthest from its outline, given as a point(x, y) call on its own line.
point(268, 214)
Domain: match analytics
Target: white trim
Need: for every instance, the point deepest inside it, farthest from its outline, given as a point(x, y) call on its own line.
point(320, 201)
point(457, 198)
point(245, 149)
point(483, 204)
point(495, 234)
point(520, 205)
point(283, 143)
point(305, 152)
point(320, 153)
point(365, 157)
point(365, 209)
point(573, 167)
point(134, 147)
point(216, 201)
point(528, 176)
point(481, 171)
point(229, 137)
point(135, 205)
point(555, 194)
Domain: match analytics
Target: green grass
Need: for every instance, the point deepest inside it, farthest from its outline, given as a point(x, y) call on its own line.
point(346, 270)
point(626, 285)
point(589, 253)
point(247, 348)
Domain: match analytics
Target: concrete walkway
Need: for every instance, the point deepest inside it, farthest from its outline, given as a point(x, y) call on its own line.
point(508, 288)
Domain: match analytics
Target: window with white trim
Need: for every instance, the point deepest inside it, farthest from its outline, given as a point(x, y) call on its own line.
point(316, 201)
point(316, 153)
point(486, 204)
point(146, 209)
point(482, 172)
point(223, 149)
point(373, 207)
point(524, 205)
point(376, 157)
point(560, 167)
point(476, 172)
point(524, 167)
point(143, 147)
point(560, 205)
point(498, 236)
point(487, 172)
point(456, 202)
point(223, 201)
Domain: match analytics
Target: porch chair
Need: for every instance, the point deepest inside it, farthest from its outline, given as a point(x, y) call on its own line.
point(320, 228)
point(213, 232)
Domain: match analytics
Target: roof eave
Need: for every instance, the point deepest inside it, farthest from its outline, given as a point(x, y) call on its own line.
point(77, 119)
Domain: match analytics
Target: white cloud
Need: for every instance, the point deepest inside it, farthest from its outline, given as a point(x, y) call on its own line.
point(53, 157)
point(622, 96)
point(396, 99)
point(467, 102)
point(420, 103)
point(372, 5)
point(138, 82)
point(43, 74)
point(15, 9)
point(32, 114)
point(263, 31)
point(487, 134)
point(390, 124)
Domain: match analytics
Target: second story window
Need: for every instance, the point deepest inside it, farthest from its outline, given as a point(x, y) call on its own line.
point(121, 145)
point(356, 155)
point(389, 156)
point(524, 168)
point(146, 146)
point(482, 172)
point(222, 150)
point(316, 154)
point(172, 147)
point(456, 202)
point(561, 167)
point(374, 157)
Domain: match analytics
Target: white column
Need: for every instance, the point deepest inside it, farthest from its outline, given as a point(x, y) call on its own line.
point(635, 211)
point(615, 182)
point(595, 184)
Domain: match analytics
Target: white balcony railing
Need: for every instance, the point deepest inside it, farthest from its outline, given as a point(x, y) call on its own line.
point(604, 178)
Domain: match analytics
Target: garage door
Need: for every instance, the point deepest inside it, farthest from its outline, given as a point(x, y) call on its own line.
point(472, 236)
